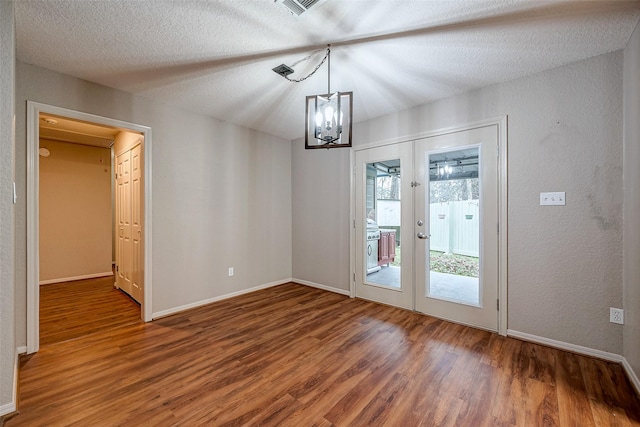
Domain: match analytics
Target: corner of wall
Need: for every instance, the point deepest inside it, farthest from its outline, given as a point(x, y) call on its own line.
point(8, 363)
point(12, 406)
point(631, 222)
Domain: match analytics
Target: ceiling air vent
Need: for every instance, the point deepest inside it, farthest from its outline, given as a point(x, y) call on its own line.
point(297, 7)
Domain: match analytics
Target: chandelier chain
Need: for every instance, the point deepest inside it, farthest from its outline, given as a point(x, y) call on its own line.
point(314, 70)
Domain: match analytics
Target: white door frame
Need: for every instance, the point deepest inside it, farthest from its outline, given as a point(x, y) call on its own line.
point(33, 269)
point(501, 122)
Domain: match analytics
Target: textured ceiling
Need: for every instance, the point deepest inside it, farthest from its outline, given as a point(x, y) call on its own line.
point(215, 57)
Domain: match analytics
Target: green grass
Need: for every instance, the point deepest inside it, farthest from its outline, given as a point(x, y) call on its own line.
point(447, 263)
point(454, 264)
point(396, 261)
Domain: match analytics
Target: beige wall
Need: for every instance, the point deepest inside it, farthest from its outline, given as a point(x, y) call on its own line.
point(565, 264)
point(631, 235)
point(75, 211)
point(7, 295)
point(221, 193)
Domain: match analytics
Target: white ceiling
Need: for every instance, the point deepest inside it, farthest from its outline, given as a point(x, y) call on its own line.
point(216, 57)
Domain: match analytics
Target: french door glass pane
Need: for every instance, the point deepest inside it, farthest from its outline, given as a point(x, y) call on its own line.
point(453, 204)
point(383, 246)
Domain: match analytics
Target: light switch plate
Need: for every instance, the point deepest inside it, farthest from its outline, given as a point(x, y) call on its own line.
point(555, 198)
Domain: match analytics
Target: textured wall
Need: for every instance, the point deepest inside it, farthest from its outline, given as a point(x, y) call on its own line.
point(631, 233)
point(565, 263)
point(75, 211)
point(221, 193)
point(7, 298)
point(320, 210)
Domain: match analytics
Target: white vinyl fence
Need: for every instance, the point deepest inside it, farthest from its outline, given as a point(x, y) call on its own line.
point(454, 227)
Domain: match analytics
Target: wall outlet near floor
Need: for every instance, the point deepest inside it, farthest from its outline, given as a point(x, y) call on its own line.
point(230, 271)
point(616, 315)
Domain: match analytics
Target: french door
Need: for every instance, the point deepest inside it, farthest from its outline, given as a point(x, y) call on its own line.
point(383, 191)
point(437, 197)
point(456, 226)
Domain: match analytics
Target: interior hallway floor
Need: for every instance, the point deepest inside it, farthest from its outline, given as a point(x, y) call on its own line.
point(71, 310)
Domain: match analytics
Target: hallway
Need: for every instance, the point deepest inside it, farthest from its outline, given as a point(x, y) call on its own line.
point(75, 309)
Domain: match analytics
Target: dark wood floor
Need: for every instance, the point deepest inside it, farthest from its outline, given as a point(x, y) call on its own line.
point(298, 356)
point(75, 309)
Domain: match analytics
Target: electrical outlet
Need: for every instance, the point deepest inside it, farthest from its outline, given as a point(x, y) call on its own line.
point(230, 271)
point(616, 315)
point(556, 198)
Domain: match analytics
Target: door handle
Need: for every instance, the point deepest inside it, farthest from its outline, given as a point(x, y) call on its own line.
point(423, 236)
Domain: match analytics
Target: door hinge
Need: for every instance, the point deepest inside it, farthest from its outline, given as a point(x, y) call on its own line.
point(498, 304)
point(354, 277)
point(497, 151)
point(354, 223)
point(414, 184)
point(498, 228)
point(116, 268)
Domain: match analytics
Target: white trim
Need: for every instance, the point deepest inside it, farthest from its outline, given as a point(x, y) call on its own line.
point(22, 349)
point(323, 287)
point(436, 132)
point(586, 351)
point(633, 378)
point(33, 259)
point(146, 232)
point(33, 298)
point(71, 279)
point(175, 310)
point(574, 348)
point(9, 408)
point(501, 123)
point(503, 213)
point(352, 225)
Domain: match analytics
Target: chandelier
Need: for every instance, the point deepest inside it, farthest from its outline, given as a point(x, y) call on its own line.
point(328, 117)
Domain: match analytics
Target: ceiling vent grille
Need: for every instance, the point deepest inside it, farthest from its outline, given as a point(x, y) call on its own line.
point(297, 7)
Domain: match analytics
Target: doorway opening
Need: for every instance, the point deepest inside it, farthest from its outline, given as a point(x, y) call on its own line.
point(440, 199)
point(35, 113)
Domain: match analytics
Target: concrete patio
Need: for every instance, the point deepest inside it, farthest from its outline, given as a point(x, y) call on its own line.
point(451, 287)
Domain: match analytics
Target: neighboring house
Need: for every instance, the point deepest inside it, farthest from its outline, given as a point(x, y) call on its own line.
point(274, 206)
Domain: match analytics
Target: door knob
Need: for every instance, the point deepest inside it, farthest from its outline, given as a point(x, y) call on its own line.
point(423, 236)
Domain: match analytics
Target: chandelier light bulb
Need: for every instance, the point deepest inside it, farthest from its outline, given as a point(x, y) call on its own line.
point(328, 115)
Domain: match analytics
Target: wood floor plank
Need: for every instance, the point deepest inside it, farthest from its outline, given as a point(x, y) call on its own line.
point(73, 309)
point(573, 401)
point(298, 356)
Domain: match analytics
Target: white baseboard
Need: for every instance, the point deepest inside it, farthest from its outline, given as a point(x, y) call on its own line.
point(11, 407)
point(170, 311)
point(22, 349)
point(586, 351)
point(633, 378)
point(71, 279)
point(319, 286)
